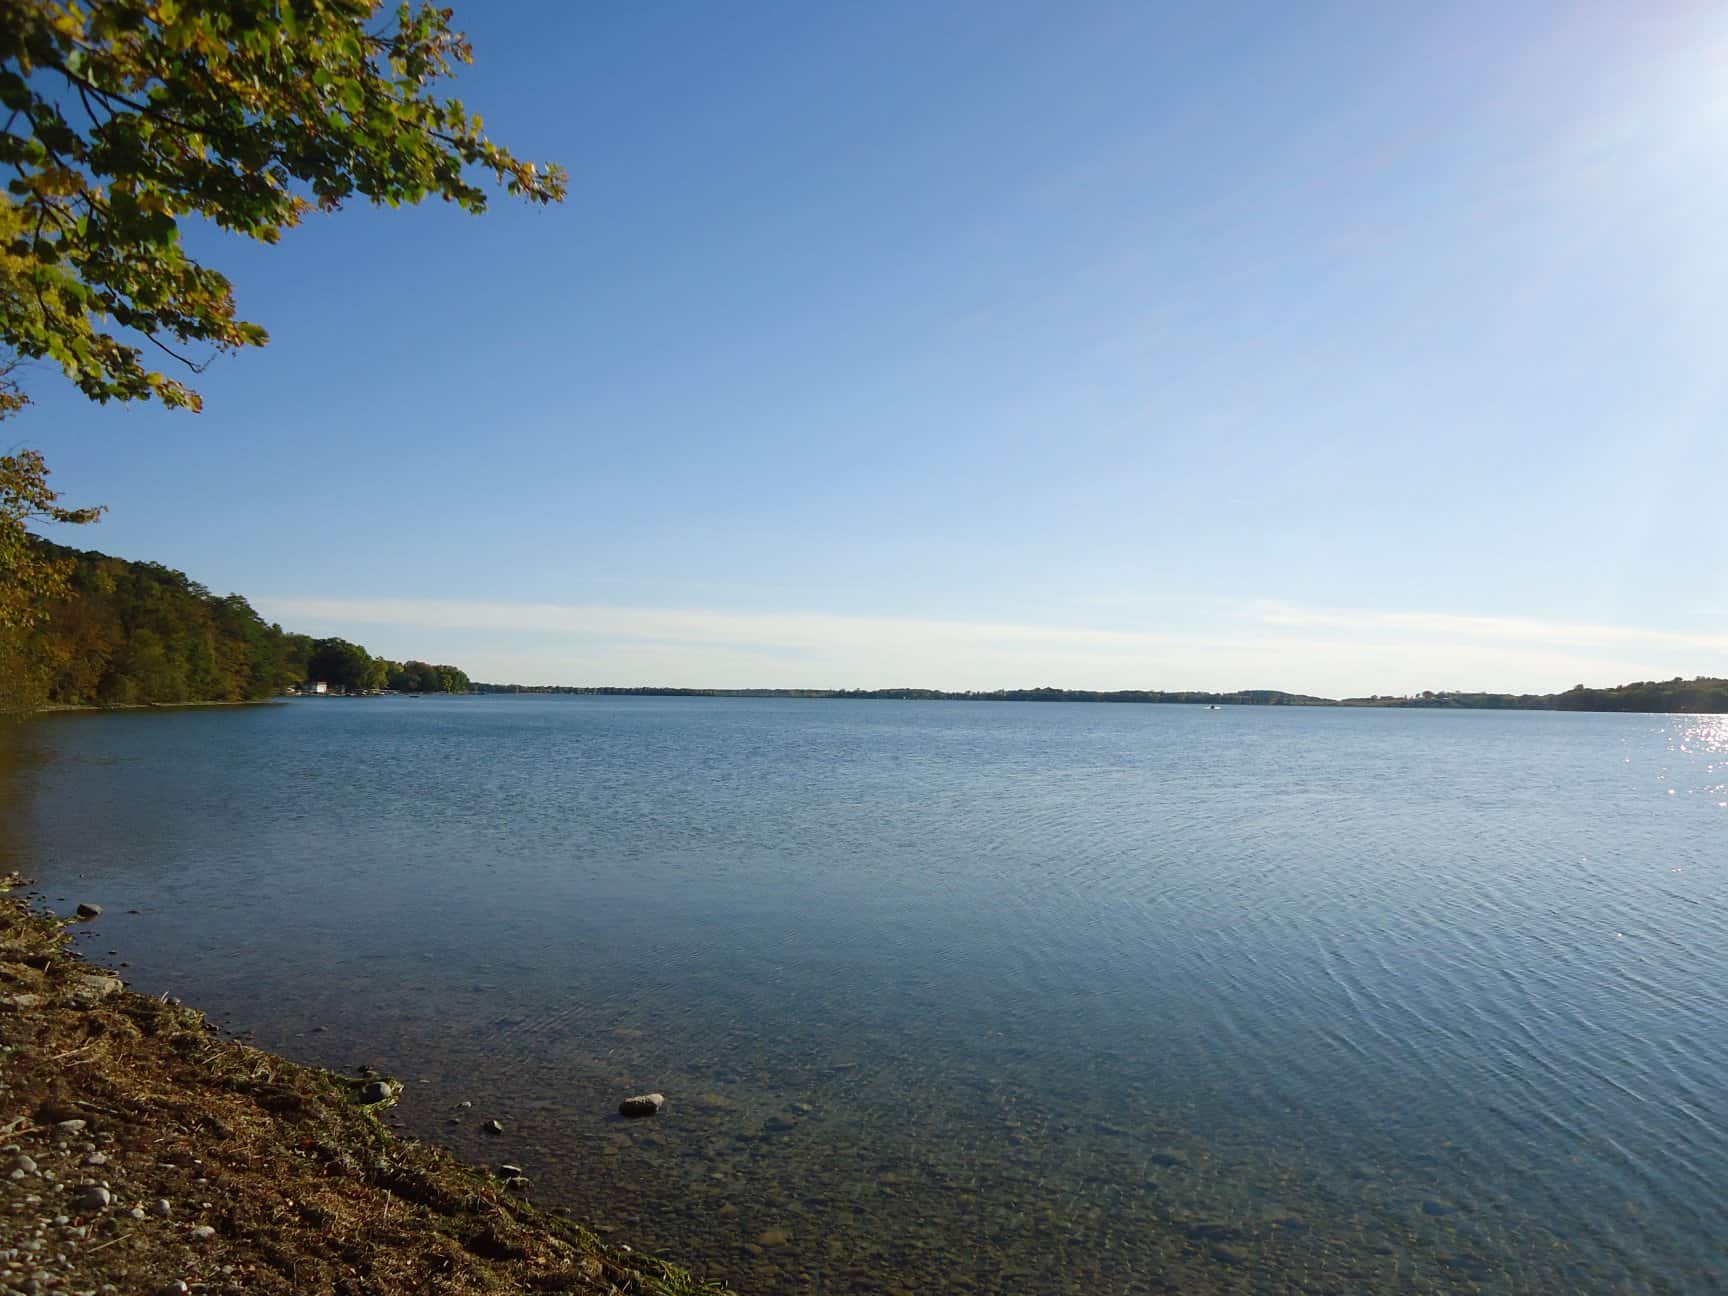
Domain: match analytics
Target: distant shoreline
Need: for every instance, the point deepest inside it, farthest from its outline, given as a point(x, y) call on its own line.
point(1696, 697)
point(1700, 696)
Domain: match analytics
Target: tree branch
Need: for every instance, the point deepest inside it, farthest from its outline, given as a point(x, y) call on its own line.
point(167, 350)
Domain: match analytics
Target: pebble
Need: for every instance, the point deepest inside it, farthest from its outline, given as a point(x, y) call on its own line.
point(642, 1105)
point(203, 1233)
point(161, 1207)
point(92, 1197)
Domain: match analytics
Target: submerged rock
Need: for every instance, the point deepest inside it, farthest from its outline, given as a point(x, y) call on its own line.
point(642, 1105)
point(493, 1127)
point(89, 911)
point(378, 1091)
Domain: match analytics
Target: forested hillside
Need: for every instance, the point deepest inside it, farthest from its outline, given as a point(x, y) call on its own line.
point(1701, 695)
point(136, 633)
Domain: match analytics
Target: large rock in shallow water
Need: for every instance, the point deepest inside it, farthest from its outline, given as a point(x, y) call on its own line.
point(642, 1105)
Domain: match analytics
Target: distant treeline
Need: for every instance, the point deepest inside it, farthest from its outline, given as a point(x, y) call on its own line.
point(1702, 695)
point(1245, 697)
point(139, 633)
point(1697, 696)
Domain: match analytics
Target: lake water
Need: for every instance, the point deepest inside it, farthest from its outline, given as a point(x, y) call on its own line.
point(970, 997)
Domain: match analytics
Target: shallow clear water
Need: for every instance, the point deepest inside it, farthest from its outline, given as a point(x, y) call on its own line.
point(971, 997)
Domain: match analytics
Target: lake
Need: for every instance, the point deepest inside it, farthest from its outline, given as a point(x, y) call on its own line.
point(969, 997)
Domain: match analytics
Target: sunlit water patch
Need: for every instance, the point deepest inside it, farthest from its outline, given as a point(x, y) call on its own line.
point(972, 997)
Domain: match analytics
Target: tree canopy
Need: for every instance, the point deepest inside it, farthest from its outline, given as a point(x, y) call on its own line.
point(139, 633)
point(125, 118)
point(29, 581)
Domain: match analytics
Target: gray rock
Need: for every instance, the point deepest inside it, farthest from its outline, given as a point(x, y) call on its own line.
point(203, 1233)
point(70, 1126)
point(378, 1091)
point(89, 910)
point(642, 1105)
point(91, 1198)
point(160, 1207)
point(89, 988)
point(493, 1127)
point(22, 1162)
point(20, 1002)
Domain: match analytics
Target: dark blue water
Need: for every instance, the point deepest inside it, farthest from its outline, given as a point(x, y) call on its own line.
point(972, 997)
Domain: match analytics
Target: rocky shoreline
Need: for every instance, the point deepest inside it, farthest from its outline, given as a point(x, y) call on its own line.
point(142, 1152)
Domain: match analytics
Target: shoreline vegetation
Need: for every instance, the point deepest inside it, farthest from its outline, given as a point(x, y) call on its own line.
point(148, 1153)
point(138, 634)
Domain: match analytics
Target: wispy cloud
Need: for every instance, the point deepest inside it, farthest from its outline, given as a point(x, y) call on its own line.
point(1574, 634)
point(1248, 645)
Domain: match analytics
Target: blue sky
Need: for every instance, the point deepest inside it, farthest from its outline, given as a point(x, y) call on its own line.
point(1342, 347)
